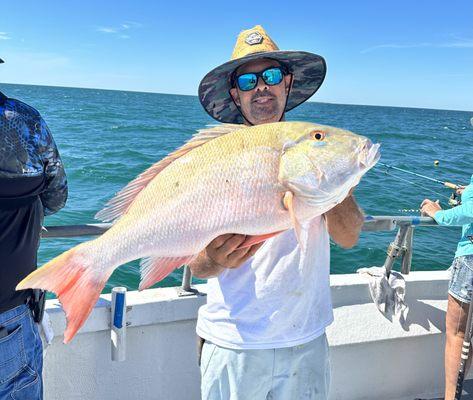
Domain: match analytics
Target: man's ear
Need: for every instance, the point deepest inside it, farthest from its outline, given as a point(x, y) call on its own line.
point(235, 96)
point(288, 81)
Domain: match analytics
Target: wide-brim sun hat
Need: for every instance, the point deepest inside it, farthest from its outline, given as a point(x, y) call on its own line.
point(307, 69)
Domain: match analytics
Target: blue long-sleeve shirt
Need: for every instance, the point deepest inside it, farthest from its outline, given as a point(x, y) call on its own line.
point(27, 149)
point(461, 215)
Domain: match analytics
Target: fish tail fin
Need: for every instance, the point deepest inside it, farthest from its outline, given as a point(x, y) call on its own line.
point(76, 284)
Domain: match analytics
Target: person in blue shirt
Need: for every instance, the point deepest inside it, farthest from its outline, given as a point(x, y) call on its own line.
point(461, 283)
point(32, 184)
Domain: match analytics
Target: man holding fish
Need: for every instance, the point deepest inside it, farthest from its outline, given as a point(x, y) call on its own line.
point(268, 304)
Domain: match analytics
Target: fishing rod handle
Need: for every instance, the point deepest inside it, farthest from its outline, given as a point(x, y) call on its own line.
point(461, 371)
point(451, 185)
point(465, 352)
point(459, 388)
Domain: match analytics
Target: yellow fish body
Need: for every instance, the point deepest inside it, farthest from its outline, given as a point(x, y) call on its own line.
point(256, 181)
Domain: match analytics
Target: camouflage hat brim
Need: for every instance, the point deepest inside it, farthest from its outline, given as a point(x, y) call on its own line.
point(308, 72)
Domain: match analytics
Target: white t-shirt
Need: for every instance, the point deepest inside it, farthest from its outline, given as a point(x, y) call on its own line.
point(278, 298)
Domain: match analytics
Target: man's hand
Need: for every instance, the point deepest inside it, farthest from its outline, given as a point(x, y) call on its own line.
point(220, 254)
point(460, 190)
point(223, 250)
point(429, 207)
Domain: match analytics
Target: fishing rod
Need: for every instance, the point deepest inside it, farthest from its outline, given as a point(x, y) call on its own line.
point(464, 355)
point(446, 184)
point(453, 199)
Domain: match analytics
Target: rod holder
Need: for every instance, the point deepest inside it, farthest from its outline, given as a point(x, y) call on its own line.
point(395, 249)
point(402, 246)
point(118, 331)
point(407, 251)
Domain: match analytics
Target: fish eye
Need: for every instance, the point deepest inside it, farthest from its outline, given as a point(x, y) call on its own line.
point(317, 135)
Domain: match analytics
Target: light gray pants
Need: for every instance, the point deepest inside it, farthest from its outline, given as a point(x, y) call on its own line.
point(292, 373)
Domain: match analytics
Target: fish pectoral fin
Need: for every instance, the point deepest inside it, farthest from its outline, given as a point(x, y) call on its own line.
point(288, 202)
point(252, 240)
point(155, 269)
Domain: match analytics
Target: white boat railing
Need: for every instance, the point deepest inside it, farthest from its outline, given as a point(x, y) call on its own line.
point(402, 246)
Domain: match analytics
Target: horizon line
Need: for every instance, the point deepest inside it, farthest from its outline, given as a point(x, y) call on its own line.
point(194, 95)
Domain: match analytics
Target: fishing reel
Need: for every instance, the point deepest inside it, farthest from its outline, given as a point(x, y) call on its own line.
point(454, 200)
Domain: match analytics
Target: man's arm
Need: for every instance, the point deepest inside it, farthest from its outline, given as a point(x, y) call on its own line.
point(344, 222)
point(55, 194)
point(221, 254)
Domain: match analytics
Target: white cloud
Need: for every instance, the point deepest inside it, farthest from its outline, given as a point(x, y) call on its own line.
point(132, 24)
point(463, 43)
point(118, 31)
point(4, 36)
point(105, 29)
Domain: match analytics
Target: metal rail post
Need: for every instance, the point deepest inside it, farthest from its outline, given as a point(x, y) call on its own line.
point(407, 251)
point(185, 288)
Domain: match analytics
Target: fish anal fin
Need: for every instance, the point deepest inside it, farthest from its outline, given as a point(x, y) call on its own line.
point(155, 269)
point(122, 201)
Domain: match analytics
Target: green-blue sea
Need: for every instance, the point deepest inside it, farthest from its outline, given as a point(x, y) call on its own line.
point(108, 137)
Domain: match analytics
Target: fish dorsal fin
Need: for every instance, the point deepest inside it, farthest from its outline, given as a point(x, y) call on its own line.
point(118, 205)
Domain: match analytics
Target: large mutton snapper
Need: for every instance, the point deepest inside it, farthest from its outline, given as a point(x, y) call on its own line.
point(257, 181)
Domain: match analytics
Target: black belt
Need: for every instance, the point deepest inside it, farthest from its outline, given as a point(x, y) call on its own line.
point(12, 304)
point(36, 302)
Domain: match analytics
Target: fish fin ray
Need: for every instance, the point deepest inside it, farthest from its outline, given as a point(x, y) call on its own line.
point(288, 202)
point(75, 282)
point(121, 202)
point(155, 269)
point(252, 240)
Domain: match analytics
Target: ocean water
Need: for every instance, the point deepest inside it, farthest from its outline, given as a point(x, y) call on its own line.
point(106, 138)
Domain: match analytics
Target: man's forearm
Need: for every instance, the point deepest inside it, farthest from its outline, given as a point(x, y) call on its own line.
point(203, 267)
point(344, 222)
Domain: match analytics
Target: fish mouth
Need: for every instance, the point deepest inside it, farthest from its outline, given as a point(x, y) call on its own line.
point(369, 154)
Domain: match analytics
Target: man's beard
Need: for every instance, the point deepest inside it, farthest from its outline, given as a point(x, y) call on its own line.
point(264, 111)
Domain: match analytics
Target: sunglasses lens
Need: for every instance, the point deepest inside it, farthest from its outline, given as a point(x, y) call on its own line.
point(247, 81)
point(272, 76)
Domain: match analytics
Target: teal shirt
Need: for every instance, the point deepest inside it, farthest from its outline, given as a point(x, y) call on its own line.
point(461, 215)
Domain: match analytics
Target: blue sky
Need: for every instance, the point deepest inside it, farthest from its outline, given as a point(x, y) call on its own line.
point(400, 53)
